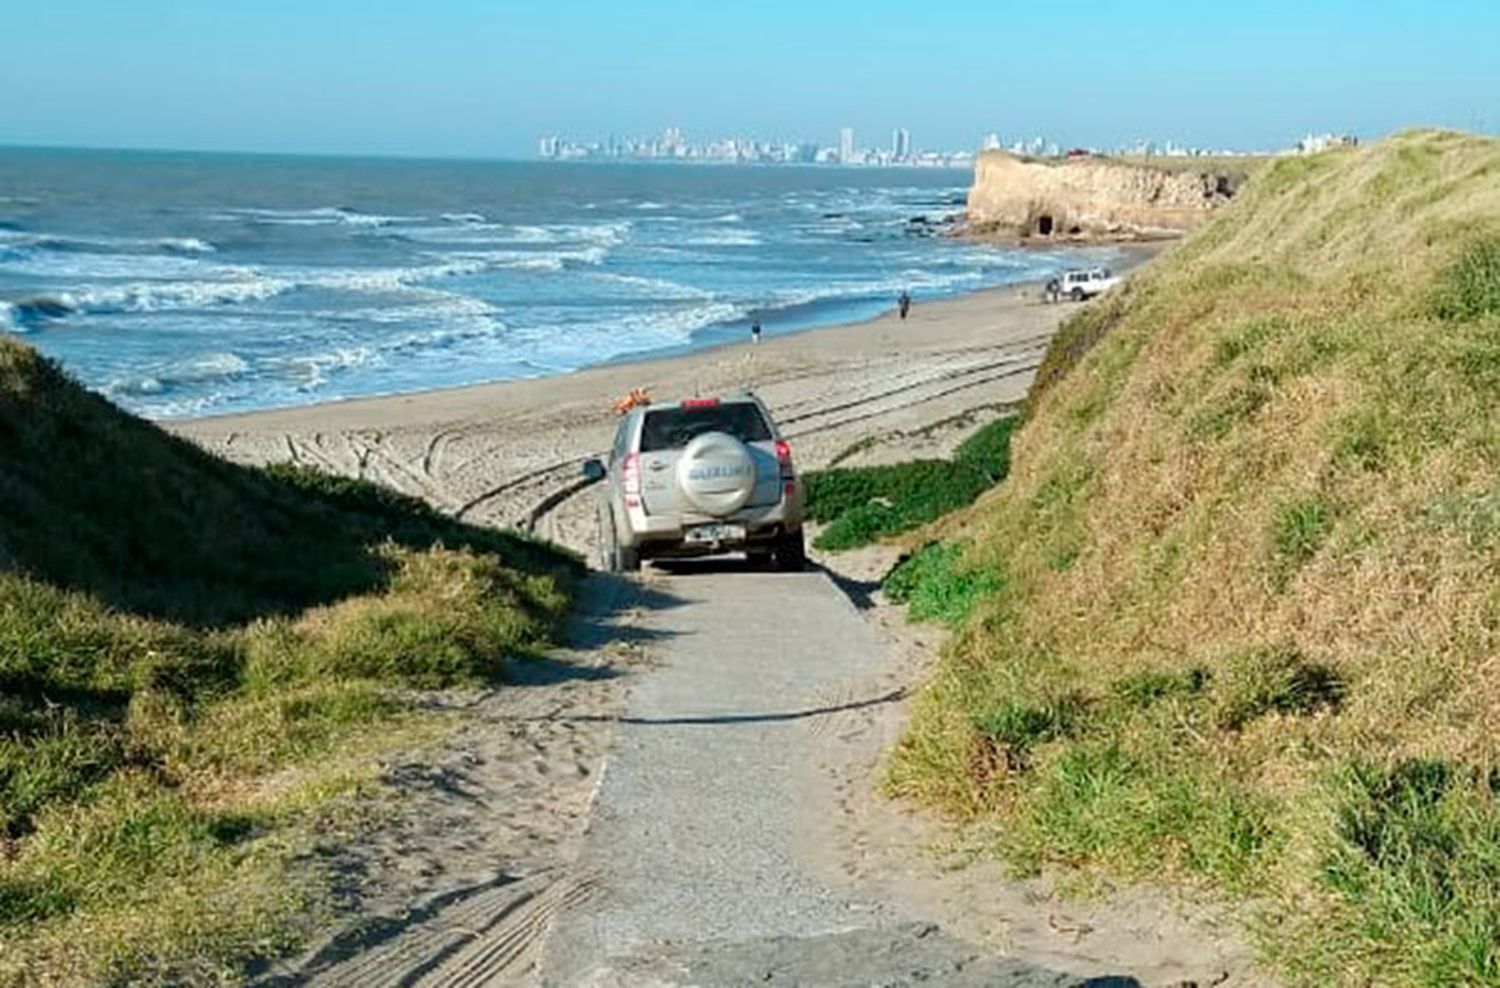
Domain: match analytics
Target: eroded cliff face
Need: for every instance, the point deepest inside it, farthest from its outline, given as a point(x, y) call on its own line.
point(1090, 198)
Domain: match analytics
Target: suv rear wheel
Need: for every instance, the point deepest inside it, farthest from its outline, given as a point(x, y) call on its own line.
point(790, 552)
point(614, 557)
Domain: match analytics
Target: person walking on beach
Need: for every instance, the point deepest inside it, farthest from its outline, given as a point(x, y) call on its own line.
point(755, 330)
point(903, 304)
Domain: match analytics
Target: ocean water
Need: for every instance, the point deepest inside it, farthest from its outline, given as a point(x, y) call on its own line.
point(186, 284)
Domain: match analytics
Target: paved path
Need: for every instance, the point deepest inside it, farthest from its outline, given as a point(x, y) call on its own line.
point(690, 865)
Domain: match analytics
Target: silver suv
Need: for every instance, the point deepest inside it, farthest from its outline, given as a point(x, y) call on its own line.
point(699, 477)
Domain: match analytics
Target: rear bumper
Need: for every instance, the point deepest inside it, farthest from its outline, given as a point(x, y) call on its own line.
point(659, 536)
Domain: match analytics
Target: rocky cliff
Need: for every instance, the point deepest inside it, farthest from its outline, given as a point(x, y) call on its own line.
point(1091, 198)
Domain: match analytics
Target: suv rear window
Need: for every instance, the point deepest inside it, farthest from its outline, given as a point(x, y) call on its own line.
point(674, 428)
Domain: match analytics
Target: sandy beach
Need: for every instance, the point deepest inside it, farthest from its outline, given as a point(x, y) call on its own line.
point(509, 453)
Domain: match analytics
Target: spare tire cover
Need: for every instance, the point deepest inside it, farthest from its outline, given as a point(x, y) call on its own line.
point(716, 473)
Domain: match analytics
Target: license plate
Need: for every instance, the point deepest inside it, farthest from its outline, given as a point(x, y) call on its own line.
point(715, 533)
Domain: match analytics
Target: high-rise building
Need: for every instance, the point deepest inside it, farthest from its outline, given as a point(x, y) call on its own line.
point(846, 145)
point(900, 144)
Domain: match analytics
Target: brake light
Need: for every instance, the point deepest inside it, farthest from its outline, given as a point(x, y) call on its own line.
point(630, 475)
point(700, 403)
point(788, 472)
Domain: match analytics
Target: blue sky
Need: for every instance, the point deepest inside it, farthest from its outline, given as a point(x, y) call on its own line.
point(462, 77)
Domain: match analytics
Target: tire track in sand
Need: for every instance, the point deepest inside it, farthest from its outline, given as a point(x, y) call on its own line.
point(559, 496)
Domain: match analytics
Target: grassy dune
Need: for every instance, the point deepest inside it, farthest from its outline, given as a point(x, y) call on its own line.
point(1233, 620)
point(199, 664)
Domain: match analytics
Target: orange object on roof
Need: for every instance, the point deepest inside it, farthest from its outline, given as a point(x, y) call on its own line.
point(637, 396)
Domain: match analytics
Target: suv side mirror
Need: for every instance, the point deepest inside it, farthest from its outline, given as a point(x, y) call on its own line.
point(593, 470)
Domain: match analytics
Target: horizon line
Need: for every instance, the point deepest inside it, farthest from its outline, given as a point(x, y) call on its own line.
point(456, 158)
point(151, 149)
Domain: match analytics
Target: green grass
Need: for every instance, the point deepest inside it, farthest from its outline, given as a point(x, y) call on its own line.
point(1470, 288)
point(1230, 623)
point(1097, 800)
point(1298, 530)
point(934, 587)
point(198, 663)
point(1075, 338)
point(1273, 679)
point(863, 504)
point(1416, 862)
point(1017, 726)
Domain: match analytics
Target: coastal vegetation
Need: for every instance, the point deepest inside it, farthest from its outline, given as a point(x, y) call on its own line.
point(862, 504)
point(200, 665)
point(1231, 623)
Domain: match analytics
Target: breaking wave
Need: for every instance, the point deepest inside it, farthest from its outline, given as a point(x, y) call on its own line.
point(730, 237)
point(320, 216)
point(310, 371)
point(108, 246)
point(158, 296)
point(533, 260)
point(195, 370)
point(622, 333)
point(654, 287)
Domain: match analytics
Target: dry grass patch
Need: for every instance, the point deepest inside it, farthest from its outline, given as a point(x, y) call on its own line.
point(1243, 610)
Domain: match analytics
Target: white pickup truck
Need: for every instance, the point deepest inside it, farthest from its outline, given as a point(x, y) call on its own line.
point(1079, 285)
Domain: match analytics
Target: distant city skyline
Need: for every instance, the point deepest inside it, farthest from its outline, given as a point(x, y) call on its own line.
point(471, 79)
point(673, 145)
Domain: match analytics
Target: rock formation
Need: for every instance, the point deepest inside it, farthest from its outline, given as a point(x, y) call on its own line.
point(1091, 198)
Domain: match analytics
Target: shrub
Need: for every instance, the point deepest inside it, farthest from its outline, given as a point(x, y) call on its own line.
point(831, 493)
point(862, 504)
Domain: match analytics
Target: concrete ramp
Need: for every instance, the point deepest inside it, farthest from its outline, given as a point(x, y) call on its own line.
point(692, 855)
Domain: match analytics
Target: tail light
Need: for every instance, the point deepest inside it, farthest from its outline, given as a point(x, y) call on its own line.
point(630, 475)
point(788, 472)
